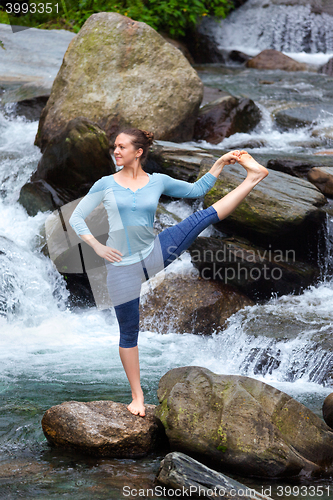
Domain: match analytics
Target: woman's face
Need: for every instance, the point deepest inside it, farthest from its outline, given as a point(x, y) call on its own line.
point(124, 151)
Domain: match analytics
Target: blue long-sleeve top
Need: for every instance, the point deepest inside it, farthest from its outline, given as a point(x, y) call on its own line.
point(131, 213)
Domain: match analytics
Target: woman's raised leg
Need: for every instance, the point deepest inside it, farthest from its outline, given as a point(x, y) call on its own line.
point(255, 174)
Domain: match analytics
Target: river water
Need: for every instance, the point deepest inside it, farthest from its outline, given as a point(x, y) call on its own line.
point(51, 353)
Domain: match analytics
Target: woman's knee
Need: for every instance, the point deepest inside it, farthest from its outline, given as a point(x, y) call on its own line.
point(128, 318)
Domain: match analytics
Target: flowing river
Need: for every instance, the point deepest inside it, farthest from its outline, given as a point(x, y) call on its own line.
point(50, 352)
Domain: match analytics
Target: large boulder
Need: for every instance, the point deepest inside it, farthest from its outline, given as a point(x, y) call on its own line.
point(224, 117)
point(120, 72)
point(102, 428)
point(281, 211)
point(273, 59)
point(72, 161)
point(231, 422)
point(188, 304)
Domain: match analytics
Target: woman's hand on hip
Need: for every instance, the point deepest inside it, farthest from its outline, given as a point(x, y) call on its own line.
point(108, 253)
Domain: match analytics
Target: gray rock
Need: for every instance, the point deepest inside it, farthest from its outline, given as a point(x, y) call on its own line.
point(119, 72)
point(231, 422)
point(296, 168)
point(300, 116)
point(33, 55)
point(202, 42)
point(102, 428)
point(325, 134)
point(179, 471)
point(176, 160)
point(39, 196)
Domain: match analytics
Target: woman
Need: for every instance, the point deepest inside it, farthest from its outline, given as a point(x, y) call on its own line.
point(132, 252)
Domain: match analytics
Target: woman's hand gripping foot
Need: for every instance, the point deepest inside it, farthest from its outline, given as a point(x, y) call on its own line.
point(255, 171)
point(136, 406)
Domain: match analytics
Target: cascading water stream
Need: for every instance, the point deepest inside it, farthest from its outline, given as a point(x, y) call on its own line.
point(259, 25)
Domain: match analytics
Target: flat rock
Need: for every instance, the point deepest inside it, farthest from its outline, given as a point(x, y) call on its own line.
point(178, 161)
point(296, 168)
point(102, 428)
point(32, 56)
point(178, 470)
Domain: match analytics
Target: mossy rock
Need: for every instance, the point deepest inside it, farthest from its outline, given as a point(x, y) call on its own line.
point(231, 422)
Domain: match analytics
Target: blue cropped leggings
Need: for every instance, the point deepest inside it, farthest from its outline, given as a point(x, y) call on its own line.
point(124, 282)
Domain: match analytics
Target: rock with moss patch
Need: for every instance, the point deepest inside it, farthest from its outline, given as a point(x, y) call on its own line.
point(230, 422)
point(120, 72)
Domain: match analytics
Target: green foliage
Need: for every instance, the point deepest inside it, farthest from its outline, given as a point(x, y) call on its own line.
point(173, 17)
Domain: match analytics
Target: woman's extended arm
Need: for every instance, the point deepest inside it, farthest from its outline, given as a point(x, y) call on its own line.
point(183, 189)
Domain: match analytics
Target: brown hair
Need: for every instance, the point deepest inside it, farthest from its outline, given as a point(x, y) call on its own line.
point(140, 139)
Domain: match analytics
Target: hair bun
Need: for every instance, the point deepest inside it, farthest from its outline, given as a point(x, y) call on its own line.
point(149, 136)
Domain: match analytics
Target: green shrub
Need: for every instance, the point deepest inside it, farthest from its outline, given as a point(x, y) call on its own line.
point(173, 17)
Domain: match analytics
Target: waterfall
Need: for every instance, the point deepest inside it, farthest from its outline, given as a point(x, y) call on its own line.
point(259, 25)
point(327, 262)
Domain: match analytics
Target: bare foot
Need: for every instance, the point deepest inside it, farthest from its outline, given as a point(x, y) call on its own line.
point(137, 407)
point(255, 171)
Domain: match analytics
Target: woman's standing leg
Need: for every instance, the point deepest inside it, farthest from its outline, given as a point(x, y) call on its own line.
point(124, 282)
